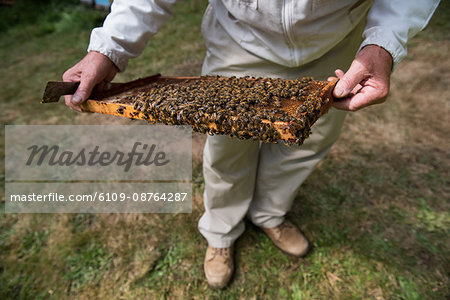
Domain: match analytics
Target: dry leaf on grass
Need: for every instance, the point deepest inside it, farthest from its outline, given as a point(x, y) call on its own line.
point(332, 278)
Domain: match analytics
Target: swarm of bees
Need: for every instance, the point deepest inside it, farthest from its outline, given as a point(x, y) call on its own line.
point(244, 107)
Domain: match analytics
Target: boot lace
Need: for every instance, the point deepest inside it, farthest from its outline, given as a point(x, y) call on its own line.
point(221, 252)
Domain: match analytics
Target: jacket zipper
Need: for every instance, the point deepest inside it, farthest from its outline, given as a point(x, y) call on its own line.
point(287, 26)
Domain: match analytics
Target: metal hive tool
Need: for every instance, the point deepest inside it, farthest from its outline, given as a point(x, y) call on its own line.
point(267, 109)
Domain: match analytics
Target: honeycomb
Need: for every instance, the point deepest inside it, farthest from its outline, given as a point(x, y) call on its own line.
point(265, 109)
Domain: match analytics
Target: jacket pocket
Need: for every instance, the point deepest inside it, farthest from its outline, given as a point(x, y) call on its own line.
point(324, 7)
point(354, 8)
point(250, 3)
point(242, 9)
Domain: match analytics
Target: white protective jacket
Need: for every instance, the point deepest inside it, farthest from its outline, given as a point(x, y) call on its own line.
point(287, 32)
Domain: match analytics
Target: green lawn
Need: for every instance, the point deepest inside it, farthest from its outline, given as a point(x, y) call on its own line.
point(376, 209)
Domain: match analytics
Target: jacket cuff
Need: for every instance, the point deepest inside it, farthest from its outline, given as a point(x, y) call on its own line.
point(98, 44)
point(387, 40)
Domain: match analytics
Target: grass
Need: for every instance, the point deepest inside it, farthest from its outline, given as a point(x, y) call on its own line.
point(376, 208)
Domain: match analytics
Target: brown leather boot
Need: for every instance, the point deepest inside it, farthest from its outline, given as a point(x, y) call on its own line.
point(218, 266)
point(288, 238)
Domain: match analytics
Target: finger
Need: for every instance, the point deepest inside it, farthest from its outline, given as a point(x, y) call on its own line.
point(71, 75)
point(356, 89)
point(331, 78)
point(365, 97)
point(342, 104)
point(68, 100)
point(350, 80)
point(339, 73)
point(84, 90)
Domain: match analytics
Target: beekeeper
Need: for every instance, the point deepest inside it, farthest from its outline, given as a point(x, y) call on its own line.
point(268, 38)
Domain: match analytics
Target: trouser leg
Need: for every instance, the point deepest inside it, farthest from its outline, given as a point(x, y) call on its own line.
point(282, 169)
point(229, 168)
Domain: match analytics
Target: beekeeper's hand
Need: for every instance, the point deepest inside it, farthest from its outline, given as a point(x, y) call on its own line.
point(93, 69)
point(367, 80)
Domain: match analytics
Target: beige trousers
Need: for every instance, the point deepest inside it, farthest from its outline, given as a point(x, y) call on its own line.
point(260, 180)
